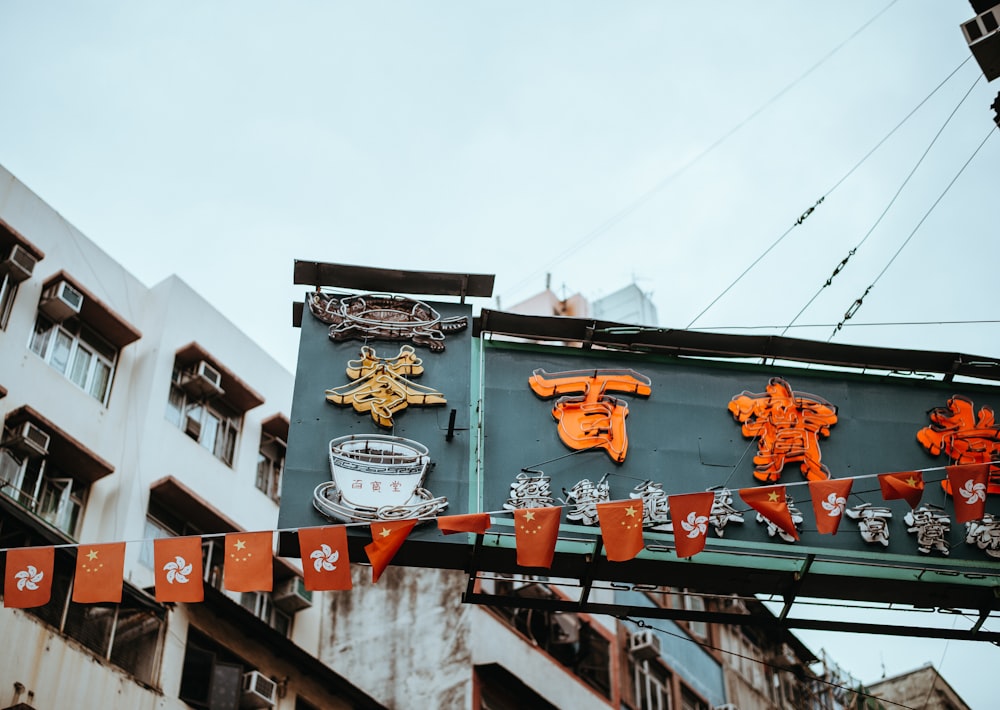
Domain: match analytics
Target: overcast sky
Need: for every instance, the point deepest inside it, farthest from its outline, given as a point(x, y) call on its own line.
point(663, 143)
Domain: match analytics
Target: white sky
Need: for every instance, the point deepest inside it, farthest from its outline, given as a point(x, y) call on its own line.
point(222, 140)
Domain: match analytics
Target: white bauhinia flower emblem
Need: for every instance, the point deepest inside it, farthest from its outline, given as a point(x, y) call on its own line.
point(834, 505)
point(29, 578)
point(695, 525)
point(178, 570)
point(325, 558)
point(973, 492)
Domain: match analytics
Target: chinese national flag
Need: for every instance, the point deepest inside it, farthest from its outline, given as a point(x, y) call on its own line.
point(689, 515)
point(28, 581)
point(968, 490)
point(535, 533)
point(829, 499)
point(387, 538)
point(621, 528)
point(249, 560)
point(99, 571)
point(770, 502)
point(908, 485)
point(326, 564)
point(177, 569)
point(477, 523)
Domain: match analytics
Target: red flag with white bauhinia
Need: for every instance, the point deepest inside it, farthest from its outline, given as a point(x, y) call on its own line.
point(621, 528)
point(177, 569)
point(387, 538)
point(536, 531)
point(28, 578)
point(689, 515)
point(829, 499)
point(968, 490)
point(326, 565)
point(770, 502)
point(906, 485)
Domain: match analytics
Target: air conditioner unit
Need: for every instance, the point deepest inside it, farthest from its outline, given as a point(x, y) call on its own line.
point(60, 301)
point(28, 440)
point(19, 264)
point(192, 427)
point(202, 380)
point(291, 595)
point(644, 645)
point(259, 691)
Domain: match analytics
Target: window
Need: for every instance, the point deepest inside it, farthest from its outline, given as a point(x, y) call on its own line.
point(690, 701)
point(652, 685)
point(77, 351)
point(261, 605)
point(36, 484)
point(690, 601)
point(129, 635)
point(7, 291)
point(270, 463)
point(212, 675)
point(212, 423)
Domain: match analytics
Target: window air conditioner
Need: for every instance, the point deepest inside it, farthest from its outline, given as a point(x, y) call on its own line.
point(644, 645)
point(19, 264)
point(202, 380)
point(258, 691)
point(60, 301)
point(28, 440)
point(291, 595)
point(192, 427)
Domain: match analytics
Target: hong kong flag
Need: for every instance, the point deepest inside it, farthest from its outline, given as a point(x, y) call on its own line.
point(477, 523)
point(770, 502)
point(536, 531)
point(28, 579)
point(907, 485)
point(99, 571)
point(325, 561)
point(829, 499)
point(689, 515)
point(621, 528)
point(968, 490)
point(177, 569)
point(387, 538)
point(249, 560)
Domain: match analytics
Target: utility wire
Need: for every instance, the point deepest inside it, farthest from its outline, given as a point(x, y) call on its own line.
point(840, 267)
point(837, 184)
point(850, 325)
point(857, 303)
point(619, 216)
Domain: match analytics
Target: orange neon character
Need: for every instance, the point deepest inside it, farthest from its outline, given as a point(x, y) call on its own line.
point(588, 416)
point(964, 436)
point(787, 426)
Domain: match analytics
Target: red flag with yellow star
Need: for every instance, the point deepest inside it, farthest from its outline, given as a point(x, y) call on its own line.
point(249, 560)
point(770, 502)
point(177, 569)
point(99, 571)
point(907, 485)
point(690, 515)
point(477, 523)
point(387, 538)
point(621, 528)
point(326, 564)
point(28, 580)
point(536, 531)
point(968, 490)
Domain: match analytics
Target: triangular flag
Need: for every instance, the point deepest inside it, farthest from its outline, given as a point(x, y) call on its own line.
point(177, 569)
point(689, 515)
point(477, 523)
point(968, 490)
point(249, 560)
point(621, 528)
point(28, 580)
point(829, 499)
point(907, 485)
point(99, 571)
point(536, 531)
point(387, 538)
point(326, 564)
point(770, 502)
